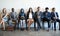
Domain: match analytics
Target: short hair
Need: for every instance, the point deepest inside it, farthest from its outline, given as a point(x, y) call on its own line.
point(12, 9)
point(53, 8)
point(38, 7)
point(46, 8)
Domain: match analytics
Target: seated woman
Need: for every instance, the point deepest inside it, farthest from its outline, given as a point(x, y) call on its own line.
point(30, 17)
point(4, 20)
point(22, 18)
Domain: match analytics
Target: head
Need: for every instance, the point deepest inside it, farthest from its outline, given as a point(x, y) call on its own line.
point(46, 9)
point(12, 9)
point(30, 10)
point(22, 10)
point(53, 9)
point(4, 10)
point(38, 8)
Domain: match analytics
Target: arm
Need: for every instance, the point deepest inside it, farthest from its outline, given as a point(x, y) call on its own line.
point(57, 15)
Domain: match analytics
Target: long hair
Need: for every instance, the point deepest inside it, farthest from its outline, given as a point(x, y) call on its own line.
point(29, 10)
point(3, 10)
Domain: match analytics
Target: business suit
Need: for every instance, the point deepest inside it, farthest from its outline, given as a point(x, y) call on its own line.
point(46, 17)
point(55, 14)
point(38, 15)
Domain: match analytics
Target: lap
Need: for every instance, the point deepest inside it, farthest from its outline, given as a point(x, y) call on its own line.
point(30, 20)
point(45, 19)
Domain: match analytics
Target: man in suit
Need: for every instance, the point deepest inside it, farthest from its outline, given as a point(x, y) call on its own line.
point(55, 18)
point(38, 15)
point(46, 17)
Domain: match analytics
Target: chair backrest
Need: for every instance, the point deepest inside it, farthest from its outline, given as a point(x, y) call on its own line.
point(0, 16)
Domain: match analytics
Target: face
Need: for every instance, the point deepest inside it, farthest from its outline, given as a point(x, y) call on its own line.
point(22, 10)
point(46, 9)
point(38, 9)
point(53, 10)
point(30, 10)
point(12, 9)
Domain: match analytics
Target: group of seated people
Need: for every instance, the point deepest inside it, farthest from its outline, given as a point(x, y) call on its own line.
point(30, 17)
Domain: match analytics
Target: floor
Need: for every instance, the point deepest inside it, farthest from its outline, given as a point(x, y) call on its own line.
point(30, 33)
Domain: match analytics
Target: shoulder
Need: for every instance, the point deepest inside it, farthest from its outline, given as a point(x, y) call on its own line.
point(57, 12)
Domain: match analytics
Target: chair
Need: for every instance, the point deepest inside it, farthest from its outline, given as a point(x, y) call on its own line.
point(11, 25)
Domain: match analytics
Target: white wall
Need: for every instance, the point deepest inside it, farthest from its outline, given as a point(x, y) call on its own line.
point(17, 4)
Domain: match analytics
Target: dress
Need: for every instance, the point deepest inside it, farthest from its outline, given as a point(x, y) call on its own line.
point(5, 18)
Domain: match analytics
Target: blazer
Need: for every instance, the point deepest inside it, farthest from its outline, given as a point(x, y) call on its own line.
point(53, 15)
point(40, 14)
point(48, 16)
point(32, 15)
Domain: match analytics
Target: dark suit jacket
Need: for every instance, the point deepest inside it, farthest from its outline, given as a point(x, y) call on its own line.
point(48, 16)
point(53, 15)
point(40, 13)
point(32, 15)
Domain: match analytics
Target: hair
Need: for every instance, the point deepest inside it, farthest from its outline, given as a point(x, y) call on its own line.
point(3, 10)
point(53, 8)
point(46, 8)
point(21, 10)
point(38, 7)
point(29, 10)
point(12, 9)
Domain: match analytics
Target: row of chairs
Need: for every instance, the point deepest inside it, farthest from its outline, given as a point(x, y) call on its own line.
point(12, 25)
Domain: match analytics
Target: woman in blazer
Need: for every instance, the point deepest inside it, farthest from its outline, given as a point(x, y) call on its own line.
point(30, 17)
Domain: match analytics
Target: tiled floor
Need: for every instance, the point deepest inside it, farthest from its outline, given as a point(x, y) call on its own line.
point(30, 33)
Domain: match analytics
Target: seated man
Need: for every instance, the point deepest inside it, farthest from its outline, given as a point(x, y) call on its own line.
point(13, 17)
point(22, 18)
point(46, 17)
point(55, 17)
point(38, 15)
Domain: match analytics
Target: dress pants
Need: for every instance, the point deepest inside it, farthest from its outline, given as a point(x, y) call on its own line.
point(57, 20)
point(45, 19)
point(38, 23)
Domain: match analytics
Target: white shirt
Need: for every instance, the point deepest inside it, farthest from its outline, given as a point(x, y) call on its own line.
point(55, 15)
point(30, 15)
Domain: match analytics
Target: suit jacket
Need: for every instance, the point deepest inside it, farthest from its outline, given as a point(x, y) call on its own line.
point(48, 16)
point(53, 15)
point(40, 14)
